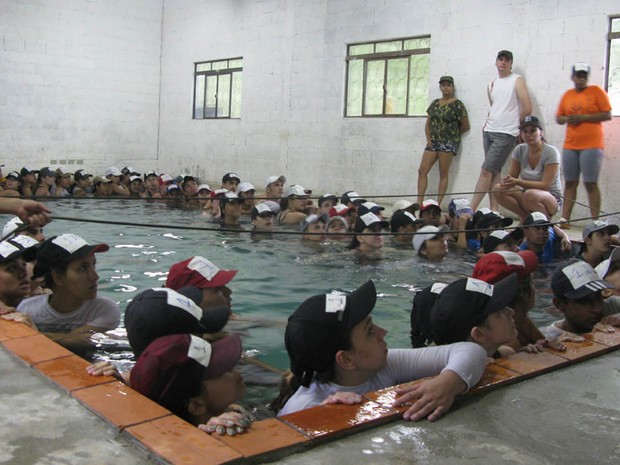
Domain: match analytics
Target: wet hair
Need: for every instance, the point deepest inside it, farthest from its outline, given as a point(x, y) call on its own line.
point(421, 333)
point(48, 278)
point(354, 244)
point(329, 373)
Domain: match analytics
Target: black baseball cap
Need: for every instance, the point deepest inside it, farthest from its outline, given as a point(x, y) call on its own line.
point(160, 311)
point(466, 303)
point(505, 54)
point(18, 246)
point(492, 219)
point(500, 236)
point(63, 249)
point(423, 302)
point(368, 219)
point(536, 219)
point(352, 196)
point(325, 197)
point(576, 279)
point(81, 174)
point(531, 120)
point(402, 218)
point(26, 170)
point(318, 329)
point(369, 207)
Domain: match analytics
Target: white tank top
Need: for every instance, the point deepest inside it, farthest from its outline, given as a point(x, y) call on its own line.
point(504, 114)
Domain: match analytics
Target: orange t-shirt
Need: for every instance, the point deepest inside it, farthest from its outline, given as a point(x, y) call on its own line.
point(587, 135)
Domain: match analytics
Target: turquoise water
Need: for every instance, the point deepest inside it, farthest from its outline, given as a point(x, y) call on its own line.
point(275, 275)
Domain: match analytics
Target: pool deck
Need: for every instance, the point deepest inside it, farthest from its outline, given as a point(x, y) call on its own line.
point(53, 412)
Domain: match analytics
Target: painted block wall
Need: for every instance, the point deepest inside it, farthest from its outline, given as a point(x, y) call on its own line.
point(294, 73)
point(80, 82)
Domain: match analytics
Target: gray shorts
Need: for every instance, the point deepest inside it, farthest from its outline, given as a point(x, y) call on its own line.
point(587, 162)
point(497, 149)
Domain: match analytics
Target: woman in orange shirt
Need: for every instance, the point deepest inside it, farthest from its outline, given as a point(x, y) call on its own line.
point(582, 109)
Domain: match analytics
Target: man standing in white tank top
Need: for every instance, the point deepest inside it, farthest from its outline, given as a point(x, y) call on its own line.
point(510, 103)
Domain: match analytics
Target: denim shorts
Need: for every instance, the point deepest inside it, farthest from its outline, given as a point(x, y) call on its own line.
point(587, 162)
point(497, 149)
point(443, 147)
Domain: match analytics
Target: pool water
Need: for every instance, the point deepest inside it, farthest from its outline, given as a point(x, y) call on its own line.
point(275, 275)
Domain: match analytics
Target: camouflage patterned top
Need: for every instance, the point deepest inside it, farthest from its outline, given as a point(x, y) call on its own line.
point(444, 120)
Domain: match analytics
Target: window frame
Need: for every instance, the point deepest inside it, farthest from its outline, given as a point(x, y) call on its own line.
point(611, 36)
point(228, 71)
point(385, 57)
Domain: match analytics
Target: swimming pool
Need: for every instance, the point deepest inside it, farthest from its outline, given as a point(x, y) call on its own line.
point(275, 274)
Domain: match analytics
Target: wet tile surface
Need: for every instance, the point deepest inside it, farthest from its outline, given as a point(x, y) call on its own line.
point(326, 420)
point(388, 396)
point(119, 404)
point(264, 436)
point(70, 373)
point(578, 350)
point(493, 377)
point(181, 443)
point(527, 364)
point(608, 339)
point(35, 349)
point(12, 330)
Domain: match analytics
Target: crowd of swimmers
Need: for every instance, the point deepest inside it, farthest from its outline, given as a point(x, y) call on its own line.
point(186, 355)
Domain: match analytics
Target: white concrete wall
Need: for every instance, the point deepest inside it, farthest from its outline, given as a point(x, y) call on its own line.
point(293, 84)
point(79, 81)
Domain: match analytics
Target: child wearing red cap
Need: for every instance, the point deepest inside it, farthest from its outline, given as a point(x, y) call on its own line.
point(196, 380)
point(494, 267)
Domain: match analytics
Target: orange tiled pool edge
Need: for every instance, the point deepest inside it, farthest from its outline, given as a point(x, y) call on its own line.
point(175, 441)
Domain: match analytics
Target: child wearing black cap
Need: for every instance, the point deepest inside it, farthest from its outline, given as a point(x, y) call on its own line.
point(73, 312)
point(577, 293)
point(472, 310)
point(337, 354)
point(14, 282)
point(368, 241)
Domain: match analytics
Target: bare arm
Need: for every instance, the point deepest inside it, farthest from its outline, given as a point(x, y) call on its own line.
point(525, 104)
point(27, 210)
point(77, 340)
point(549, 174)
point(510, 180)
point(464, 125)
point(427, 131)
point(589, 118)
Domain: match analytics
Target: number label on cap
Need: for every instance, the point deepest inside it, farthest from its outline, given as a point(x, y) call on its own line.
point(335, 303)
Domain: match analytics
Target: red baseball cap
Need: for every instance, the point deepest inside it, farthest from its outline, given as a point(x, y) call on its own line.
point(198, 272)
point(495, 266)
point(171, 368)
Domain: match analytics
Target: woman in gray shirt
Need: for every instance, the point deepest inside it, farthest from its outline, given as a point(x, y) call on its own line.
point(533, 182)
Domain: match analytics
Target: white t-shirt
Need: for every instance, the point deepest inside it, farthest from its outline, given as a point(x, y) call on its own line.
point(611, 306)
point(466, 359)
point(100, 312)
point(504, 114)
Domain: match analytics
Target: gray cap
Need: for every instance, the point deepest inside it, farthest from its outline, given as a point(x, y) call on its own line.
point(599, 226)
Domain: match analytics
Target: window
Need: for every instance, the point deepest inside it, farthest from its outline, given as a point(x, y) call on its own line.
point(217, 89)
point(613, 66)
point(388, 78)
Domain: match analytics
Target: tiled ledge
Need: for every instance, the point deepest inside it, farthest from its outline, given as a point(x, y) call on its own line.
point(175, 441)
